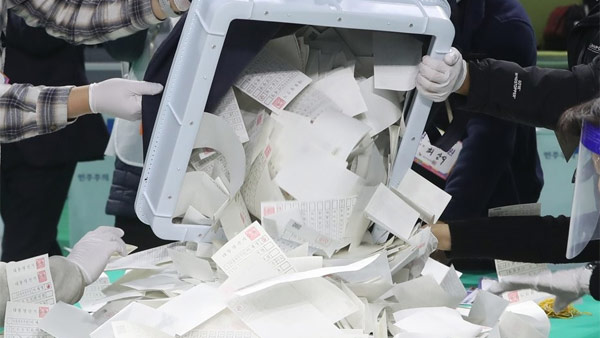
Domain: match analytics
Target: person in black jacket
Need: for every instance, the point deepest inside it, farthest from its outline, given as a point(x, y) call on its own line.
point(532, 239)
point(532, 96)
point(506, 151)
point(36, 172)
point(537, 97)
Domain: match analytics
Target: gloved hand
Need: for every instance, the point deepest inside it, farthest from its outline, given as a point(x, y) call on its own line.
point(121, 98)
point(566, 285)
point(437, 79)
point(92, 252)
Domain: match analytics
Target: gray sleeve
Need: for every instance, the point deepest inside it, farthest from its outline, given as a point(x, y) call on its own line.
point(66, 276)
point(67, 279)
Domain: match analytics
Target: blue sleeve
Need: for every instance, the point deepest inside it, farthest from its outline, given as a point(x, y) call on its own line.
point(509, 39)
point(485, 157)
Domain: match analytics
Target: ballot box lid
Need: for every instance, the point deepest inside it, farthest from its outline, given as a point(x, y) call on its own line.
point(195, 63)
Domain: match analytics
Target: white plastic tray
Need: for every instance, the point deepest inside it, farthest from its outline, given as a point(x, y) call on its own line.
point(194, 67)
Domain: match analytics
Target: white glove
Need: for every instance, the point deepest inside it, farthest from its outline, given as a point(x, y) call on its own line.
point(121, 98)
point(92, 252)
point(566, 285)
point(437, 79)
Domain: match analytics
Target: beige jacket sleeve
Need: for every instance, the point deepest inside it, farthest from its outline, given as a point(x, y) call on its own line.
point(66, 276)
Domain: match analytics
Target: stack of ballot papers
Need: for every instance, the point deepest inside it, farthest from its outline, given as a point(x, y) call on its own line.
point(291, 174)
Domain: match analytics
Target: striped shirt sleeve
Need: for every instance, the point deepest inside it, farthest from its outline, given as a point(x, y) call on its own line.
point(27, 111)
point(86, 21)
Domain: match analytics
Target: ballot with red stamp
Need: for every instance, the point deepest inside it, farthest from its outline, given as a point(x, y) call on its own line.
point(22, 320)
point(30, 281)
point(252, 255)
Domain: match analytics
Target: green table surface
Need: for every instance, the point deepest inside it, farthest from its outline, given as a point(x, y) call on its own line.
point(580, 327)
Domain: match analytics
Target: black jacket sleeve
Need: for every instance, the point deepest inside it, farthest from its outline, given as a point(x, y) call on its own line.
point(534, 96)
point(521, 238)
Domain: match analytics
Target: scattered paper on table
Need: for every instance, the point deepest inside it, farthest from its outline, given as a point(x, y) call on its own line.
point(67, 321)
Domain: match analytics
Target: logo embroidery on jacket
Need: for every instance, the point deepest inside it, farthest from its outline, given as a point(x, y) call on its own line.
point(517, 85)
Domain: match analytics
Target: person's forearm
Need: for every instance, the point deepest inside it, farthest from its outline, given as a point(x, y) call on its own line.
point(514, 238)
point(86, 21)
point(79, 102)
point(441, 231)
point(533, 96)
point(466, 86)
point(67, 278)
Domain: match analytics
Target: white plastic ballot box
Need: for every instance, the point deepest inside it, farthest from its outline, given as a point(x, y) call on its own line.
point(179, 117)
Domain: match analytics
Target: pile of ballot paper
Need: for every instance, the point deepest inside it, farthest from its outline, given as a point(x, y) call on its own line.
point(306, 238)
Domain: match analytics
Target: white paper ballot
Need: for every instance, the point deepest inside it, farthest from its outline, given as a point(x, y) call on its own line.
point(21, 320)
point(158, 282)
point(310, 176)
point(343, 133)
point(397, 58)
point(147, 259)
point(271, 81)
point(188, 265)
point(383, 107)
point(436, 270)
point(371, 166)
point(93, 295)
point(229, 109)
point(487, 309)
point(260, 133)
point(531, 209)
point(220, 333)
point(193, 216)
point(215, 133)
point(259, 186)
point(453, 286)
point(533, 314)
point(436, 321)
point(343, 90)
point(125, 329)
point(30, 281)
point(513, 325)
point(508, 268)
point(306, 263)
point(282, 311)
point(378, 271)
point(185, 309)
point(358, 222)
point(423, 196)
point(391, 212)
point(327, 217)
point(67, 321)
point(298, 276)
point(135, 313)
point(288, 48)
point(251, 256)
point(423, 292)
point(234, 217)
point(332, 302)
point(312, 102)
point(201, 192)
